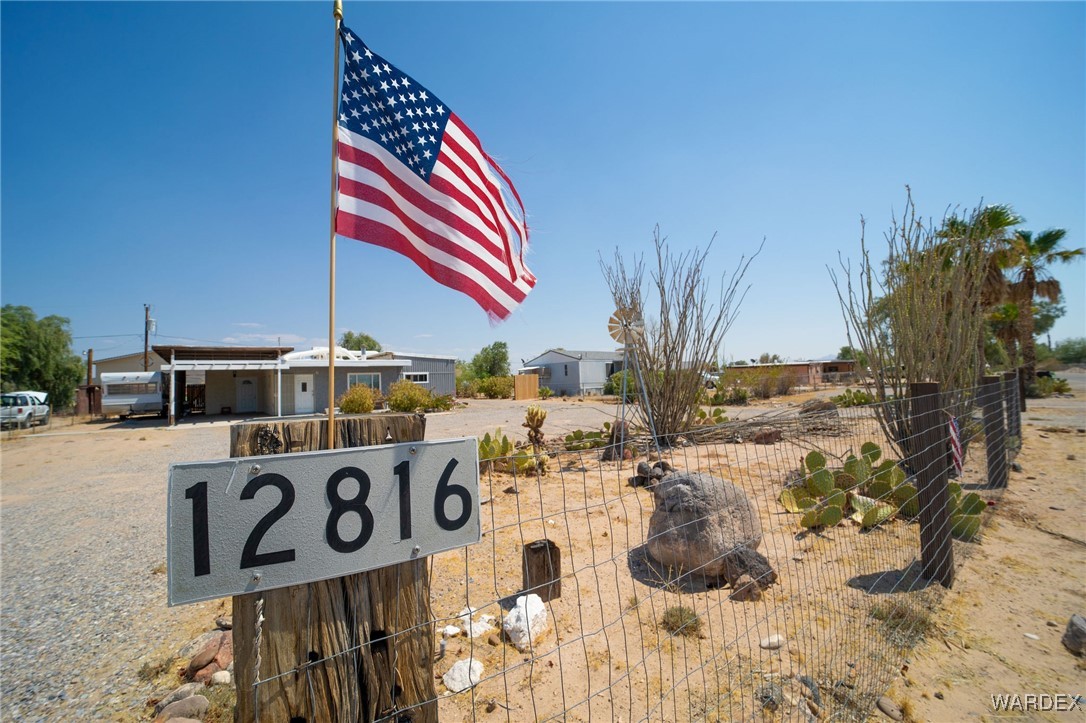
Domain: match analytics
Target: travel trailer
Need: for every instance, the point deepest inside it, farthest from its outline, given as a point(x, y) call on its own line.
point(128, 393)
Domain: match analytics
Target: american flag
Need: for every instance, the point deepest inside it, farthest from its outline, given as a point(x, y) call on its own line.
point(413, 178)
point(955, 444)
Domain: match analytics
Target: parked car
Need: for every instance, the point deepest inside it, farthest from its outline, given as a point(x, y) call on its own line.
point(24, 409)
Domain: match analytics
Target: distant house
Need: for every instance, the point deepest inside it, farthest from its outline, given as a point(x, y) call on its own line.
point(811, 373)
point(126, 363)
point(574, 373)
point(280, 381)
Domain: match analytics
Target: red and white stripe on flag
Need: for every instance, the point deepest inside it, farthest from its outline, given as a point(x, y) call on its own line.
point(414, 179)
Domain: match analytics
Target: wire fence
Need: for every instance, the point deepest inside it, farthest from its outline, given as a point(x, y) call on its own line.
point(782, 563)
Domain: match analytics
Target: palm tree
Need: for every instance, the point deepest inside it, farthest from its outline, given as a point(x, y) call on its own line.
point(1030, 259)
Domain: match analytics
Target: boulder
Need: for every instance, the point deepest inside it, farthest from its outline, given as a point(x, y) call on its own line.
point(1074, 637)
point(706, 524)
point(525, 622)
point(194, 706)
point(464, 674)
point(183, 692)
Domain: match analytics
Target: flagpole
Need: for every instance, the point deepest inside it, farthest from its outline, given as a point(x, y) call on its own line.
point(337, 12)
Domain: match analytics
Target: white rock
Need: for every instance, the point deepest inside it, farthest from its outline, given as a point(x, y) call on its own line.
point(450, 631)
point(475, 628)
point(223, 677)
point(526, 621)
point(463, 674)
point(772, 642)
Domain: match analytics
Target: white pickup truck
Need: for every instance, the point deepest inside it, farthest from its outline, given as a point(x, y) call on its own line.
point(24, 409)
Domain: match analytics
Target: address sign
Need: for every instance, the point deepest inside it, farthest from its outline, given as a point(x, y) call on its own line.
point(243, 525)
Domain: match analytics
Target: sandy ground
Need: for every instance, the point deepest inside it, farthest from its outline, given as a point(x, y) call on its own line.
point(606, 655)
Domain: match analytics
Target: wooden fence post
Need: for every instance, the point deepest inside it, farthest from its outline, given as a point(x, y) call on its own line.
point(378, 622)
point(929, 429)
point(995, 436)
point(543, 569)
point(1021, 389)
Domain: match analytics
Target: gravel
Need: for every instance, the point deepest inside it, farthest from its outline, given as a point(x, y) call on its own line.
point(83, 549)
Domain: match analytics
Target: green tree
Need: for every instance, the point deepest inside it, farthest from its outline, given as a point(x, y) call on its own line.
point(359, 342)
point(37, 355)
point(1071, 351)
point(1031, 279)
point(852, 353)
point(491, 361)
point(768, 358)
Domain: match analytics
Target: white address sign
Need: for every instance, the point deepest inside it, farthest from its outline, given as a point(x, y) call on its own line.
point(243, 525)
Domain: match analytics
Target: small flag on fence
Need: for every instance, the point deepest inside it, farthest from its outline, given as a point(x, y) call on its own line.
point(955, 444)
point(413, 178)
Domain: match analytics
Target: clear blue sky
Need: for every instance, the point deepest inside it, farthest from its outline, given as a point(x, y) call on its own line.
point(177, 154)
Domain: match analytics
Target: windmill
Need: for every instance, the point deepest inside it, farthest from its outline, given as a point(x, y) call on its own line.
point(627, 327)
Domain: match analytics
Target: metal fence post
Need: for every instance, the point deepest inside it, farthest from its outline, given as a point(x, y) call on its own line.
point(995, 436)
point(1010, 400)
point(929, 429)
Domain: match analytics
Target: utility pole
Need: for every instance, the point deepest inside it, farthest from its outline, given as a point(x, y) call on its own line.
point(146, 335)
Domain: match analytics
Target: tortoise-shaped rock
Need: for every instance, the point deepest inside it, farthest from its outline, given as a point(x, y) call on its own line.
point(707, 525)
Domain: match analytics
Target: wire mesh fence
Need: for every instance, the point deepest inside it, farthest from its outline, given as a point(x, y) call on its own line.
point(782, 563)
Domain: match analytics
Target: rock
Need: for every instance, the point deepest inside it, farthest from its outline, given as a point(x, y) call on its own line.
point(525, 622)
point(1031, 636)
point(1017, 468)
point(1074, 637)
point(205, 655)
point(939, 695)
point(745, 589)
point(770, 696)
point(1071, 457)
point(819, 407)
point(494, 640)
point(199, 643)
point(810, 689)
point(193, 706)
point(772, 642)
point(766, 436)
point(643, 469)
point(225, 656)
point(704, 523)
point(463, 674)
point(204, 674)
point(475, 628)
point(450, 631)
point(223, 677)
point(890, 708)
point(616, 443)
point(183, 692)
point(224, 622)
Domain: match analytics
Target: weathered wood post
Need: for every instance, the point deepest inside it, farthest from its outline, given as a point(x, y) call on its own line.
point(929, 429)
point(376, 624)
point(1021, 389)
point(543, 569)
point(995, 436)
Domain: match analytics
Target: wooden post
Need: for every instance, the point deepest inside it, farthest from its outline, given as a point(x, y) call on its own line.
point(1021, 390)
point(929, 429)
point(995, 436)
point(543, 569)
point(376, 624)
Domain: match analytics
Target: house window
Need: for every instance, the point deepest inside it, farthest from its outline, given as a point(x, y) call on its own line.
point(373, 381)
point(417, 377)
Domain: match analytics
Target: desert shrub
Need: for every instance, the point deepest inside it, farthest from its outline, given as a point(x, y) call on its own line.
point(785, 381)
point(496, 387)
point(358, 399)
point(406, 396)
point(681, 620)
point(545, 392)
point(613, 385)
point(440, 403)
point(468, 389)
point(736, 396)
point(1047, 386)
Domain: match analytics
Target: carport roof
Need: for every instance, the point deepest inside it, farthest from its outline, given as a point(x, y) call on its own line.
point(222, 353)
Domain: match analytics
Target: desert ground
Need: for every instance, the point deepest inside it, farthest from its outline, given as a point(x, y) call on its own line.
point(82, 519)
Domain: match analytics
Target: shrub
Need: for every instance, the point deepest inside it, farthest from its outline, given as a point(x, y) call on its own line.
point(613, 385)
point(1071, 351)
point(469, 389)
point(785, 381)
point(545, 392)
point(853, 398)
point(359, 399)
point(496, 387)
point(406, 396)
point(681, 620)
point(1047, 386)
point(440, 403)
point(736, 396)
